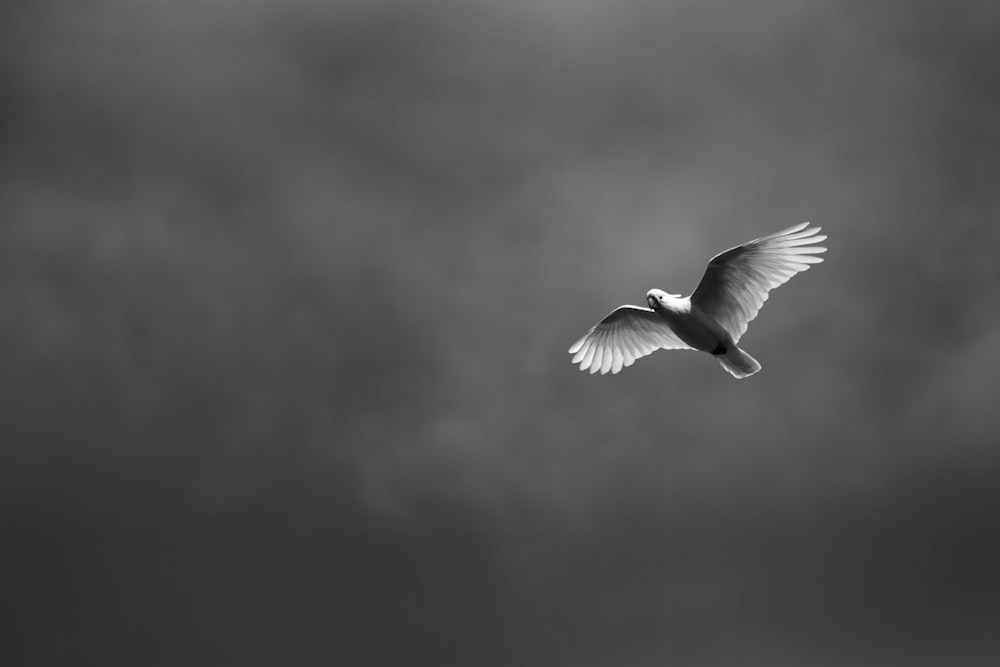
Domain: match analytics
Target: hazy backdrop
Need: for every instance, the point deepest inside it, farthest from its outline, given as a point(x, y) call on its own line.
point(286, 289)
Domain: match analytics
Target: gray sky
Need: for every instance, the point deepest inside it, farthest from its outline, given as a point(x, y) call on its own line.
point(286, 290)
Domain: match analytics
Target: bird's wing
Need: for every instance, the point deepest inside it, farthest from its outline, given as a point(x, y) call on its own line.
point(627, 333)
point(736, 282)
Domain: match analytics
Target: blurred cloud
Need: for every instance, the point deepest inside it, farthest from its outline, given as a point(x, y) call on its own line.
point(285, 293)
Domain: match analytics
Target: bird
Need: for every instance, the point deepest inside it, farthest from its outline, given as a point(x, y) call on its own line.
point(714, 317)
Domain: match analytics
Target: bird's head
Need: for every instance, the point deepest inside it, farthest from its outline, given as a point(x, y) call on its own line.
point(657, 297)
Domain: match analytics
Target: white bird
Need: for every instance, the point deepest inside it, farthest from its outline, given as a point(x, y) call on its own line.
point(715, 316)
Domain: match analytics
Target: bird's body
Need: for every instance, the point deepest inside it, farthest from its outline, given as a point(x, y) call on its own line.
point(692, 326)
point(715, 316)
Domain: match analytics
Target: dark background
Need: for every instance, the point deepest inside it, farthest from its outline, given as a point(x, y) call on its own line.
point(286, 289)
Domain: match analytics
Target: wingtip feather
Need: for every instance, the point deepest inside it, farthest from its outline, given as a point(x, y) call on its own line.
point(793, 229)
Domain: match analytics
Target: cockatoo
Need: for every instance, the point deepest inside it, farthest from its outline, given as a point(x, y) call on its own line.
point(715, 316)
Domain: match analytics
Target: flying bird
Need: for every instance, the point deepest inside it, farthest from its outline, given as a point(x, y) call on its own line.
point(715, 316)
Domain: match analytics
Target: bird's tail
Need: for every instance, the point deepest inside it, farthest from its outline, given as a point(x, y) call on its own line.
point(738, 363)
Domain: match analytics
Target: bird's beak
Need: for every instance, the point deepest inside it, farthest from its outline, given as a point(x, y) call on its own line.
point(651, 301)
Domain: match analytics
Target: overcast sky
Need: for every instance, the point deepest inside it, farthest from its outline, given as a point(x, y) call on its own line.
point(286, 290)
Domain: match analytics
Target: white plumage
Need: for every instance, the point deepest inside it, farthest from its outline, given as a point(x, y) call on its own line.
point(715, 316)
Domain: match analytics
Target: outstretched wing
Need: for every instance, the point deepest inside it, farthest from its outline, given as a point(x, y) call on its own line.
point(737, 281)
point(627, 333)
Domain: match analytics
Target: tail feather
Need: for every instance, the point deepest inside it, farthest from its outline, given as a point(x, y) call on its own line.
point(738, 363)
